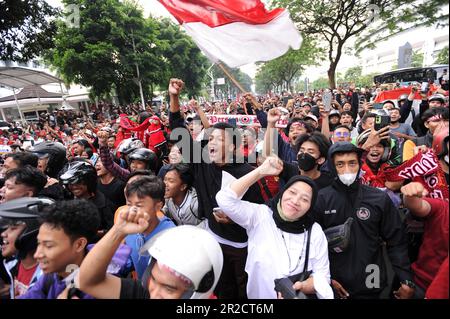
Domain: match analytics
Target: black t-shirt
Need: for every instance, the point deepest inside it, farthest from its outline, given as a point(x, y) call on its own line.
point(113, 191)
point(131, 289)
point(289, 170)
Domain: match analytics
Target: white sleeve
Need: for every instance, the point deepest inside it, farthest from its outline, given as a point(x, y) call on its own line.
point(241, 212)
point(321, 264)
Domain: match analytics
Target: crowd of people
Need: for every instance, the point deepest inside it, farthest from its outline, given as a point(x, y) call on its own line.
point(345, 197)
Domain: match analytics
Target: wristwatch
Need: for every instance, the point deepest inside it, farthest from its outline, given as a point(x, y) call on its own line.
point(408, 283)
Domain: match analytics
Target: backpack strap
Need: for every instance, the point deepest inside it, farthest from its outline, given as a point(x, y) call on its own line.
point(308, 241)
point(48, 282)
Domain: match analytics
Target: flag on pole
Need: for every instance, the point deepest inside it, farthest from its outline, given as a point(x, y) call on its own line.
point(236, 32)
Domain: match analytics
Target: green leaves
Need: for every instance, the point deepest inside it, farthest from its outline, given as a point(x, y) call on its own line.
point(112, 40)
point(26, 28)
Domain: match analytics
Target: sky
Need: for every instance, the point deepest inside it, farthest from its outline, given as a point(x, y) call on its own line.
point(156, 9)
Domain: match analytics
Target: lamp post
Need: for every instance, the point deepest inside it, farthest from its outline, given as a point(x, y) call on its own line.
point(138, 74)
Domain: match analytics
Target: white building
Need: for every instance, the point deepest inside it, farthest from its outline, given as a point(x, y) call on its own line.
point(381, 59)
point(26, 102)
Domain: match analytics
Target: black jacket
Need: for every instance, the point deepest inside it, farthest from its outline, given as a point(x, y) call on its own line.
point(209, 179)
point(375, 221)
point(105, 208)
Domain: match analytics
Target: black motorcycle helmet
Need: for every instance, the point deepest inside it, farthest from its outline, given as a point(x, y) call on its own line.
point(26, 211)
point(145, 155)
point(56, 153)
point(80, 171)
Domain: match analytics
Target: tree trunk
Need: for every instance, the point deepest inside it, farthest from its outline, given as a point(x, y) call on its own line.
point(332, 75)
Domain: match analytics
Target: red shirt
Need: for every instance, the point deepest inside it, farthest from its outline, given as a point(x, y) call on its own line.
point(434, 247)
point(23, 279)
point(439, 287)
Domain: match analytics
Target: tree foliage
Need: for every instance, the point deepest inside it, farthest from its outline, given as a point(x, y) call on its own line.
point(114, 41)
point(282, 71)
point(442, 57)
point(229, 89)
point(336, 22)
point(26, 28)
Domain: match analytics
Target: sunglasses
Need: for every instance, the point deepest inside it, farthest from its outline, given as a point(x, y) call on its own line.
point(341, 134)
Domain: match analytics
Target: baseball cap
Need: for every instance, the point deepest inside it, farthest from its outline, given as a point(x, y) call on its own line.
point(312, 116)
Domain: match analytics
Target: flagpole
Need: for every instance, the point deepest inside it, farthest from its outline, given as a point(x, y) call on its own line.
point(239, 86)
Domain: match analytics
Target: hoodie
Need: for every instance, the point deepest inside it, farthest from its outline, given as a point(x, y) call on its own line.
point(376, 223)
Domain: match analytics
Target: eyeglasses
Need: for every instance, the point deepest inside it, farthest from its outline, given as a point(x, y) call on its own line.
point(341, 134)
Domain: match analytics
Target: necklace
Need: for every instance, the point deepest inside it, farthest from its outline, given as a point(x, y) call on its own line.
point(301, 252)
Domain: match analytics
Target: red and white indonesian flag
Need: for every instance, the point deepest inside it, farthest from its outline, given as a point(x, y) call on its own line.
point(236, 32)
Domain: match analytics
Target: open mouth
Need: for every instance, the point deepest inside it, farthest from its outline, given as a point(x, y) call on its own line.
point(374, 157)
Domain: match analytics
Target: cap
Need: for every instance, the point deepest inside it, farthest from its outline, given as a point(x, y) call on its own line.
point(313, 117)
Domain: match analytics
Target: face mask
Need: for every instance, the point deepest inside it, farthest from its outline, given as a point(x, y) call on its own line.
point(446, 159)
point(348, 178)
point(306, 162)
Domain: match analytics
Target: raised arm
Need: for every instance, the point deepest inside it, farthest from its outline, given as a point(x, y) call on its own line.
point(244, 213)
point(272, 166)
point(272, 117)
point(92, 278)
point(412, 198)
point(198, 109)
point(175, 87)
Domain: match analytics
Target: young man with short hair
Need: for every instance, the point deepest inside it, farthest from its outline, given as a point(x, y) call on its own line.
point(66, 230)
point(22, 182)
point(145, 195)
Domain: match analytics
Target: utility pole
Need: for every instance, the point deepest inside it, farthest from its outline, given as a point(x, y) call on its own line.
point(138, 74)
point(211, 75)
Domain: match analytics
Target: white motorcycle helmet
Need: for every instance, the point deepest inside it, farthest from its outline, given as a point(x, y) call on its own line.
point(191, 252)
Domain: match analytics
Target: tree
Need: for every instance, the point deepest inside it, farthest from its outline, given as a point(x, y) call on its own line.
point(442, 57)
point(320, 83)
point(229, 89)
point(336, 22)
point(397, 16)
point(283, 70)
point(116, 49)
point(26, 28)
point(416, 60)
point(184, 59)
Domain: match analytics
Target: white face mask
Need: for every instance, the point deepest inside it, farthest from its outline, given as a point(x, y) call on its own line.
point(348, 178)
point(446, 159)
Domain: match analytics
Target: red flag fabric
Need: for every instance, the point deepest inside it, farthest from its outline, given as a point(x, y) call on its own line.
point(425, 169)
point(215, 13)
point(236, 32)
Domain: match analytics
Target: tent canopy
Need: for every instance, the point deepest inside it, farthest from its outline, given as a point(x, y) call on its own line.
point(19, 77)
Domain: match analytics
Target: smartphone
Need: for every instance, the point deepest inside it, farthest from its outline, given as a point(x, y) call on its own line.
point(217, 211)
point(377, 106)
point(327, 97)
point(425, 87)
point(382, 121)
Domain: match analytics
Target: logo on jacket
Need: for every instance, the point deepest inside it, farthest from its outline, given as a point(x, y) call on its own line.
point(363, 213)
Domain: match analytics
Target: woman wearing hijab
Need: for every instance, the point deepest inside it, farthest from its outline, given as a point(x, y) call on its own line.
point(278, 234)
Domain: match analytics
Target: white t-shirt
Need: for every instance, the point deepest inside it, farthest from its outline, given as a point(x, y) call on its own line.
point(273, 253)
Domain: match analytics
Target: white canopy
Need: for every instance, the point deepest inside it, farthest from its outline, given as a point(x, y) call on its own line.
point(19, 77)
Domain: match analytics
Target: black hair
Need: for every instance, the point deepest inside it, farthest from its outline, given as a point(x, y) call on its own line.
point(83, 143)
point(342, 126)
point(367, 116)
point(236, 135)
point(78, 218)
point(347, 113)
point(443, 112)
point(185, 173)
point(309, 128)
point(317, 138)
point(151, 186)
point(24, 158)
point(89, 152)
point(29, 176)
point(140, 172)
